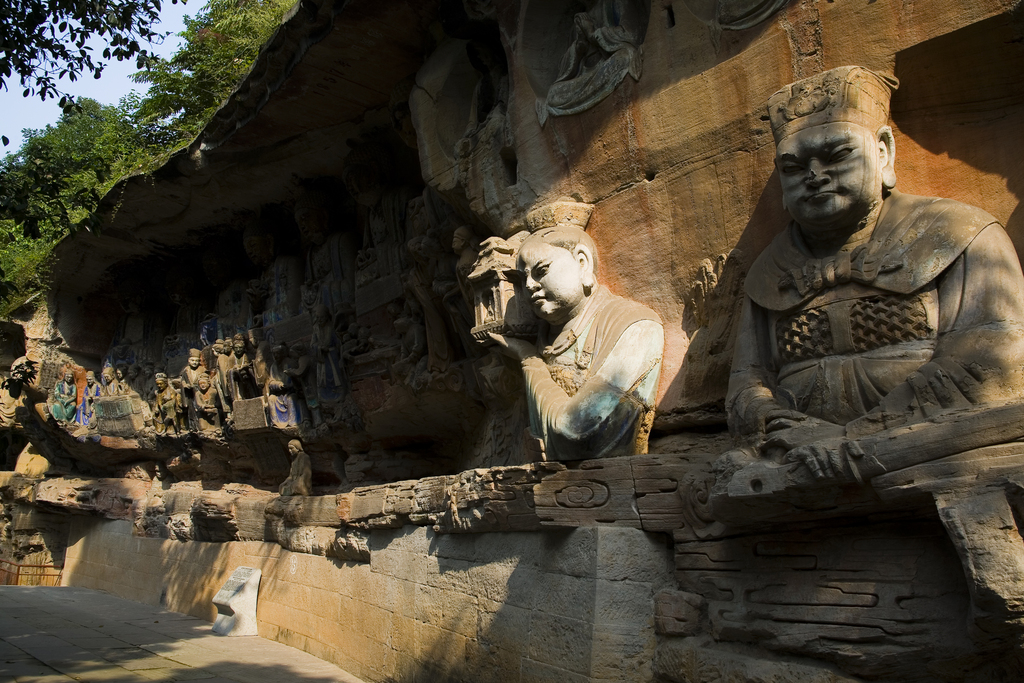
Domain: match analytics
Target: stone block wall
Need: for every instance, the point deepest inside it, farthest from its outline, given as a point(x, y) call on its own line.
point(566, 606)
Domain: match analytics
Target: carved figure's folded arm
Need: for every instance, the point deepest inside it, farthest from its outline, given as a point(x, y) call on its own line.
point(601, 419)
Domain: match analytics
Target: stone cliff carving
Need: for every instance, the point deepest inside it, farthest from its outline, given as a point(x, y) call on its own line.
point(881, 331)
point(300, 477)
point(64, 398)
point(90, 392)
point(874, 309)
point(330, 257)
point(168, 409)
point(281, 393)
point(277, 295)
point(382, 213)
point(207, 403)
point(593, 375)
point(606, 46)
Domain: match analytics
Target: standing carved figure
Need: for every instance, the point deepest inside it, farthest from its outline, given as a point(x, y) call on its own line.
point(241, 377)
point(189, 383)
point(326, 349)
point(168, 410)
point(592, 378)
point(208, 404)
point(86, 410)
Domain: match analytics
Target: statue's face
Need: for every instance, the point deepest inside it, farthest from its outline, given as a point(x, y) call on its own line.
point(90, 378)
point(363, 184)
point(554, 280)
point(239, 348)
point(260, 249)
point(313, 224)
point(69, 377)
point(204, 384)
point(193, 362)
point(161, 384)
point(831, 176)
point(459, 242)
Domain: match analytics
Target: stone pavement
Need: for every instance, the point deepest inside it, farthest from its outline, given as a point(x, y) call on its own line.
point(57, 635)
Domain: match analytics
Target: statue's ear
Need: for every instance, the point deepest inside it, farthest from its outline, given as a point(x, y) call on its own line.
point(887, 152)
point(585, 260)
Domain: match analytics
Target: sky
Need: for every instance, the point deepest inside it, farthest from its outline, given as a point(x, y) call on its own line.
point(20, 112)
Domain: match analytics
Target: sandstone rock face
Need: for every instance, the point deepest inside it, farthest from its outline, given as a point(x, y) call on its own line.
point(582, 341)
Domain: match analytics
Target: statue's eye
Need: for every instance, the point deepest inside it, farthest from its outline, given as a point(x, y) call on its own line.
point(791, 168)
point(539, 272)
point(840, 154)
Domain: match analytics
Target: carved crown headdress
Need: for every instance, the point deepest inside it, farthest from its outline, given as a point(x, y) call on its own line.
point(847, 93)
point(564, 211)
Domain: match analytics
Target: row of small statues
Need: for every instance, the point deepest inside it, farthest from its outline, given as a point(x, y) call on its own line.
point(201, 398)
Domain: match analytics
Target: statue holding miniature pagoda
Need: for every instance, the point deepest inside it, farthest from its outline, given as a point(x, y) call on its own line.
point(592, 375)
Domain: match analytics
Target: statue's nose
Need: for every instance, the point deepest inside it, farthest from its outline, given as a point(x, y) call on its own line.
point(815, 174)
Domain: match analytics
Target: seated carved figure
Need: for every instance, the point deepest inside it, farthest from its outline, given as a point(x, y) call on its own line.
point(592, 378)
point(872, 310)
point(64, 398)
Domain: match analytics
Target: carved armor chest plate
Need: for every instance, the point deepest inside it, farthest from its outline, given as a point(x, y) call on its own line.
point(854, 325)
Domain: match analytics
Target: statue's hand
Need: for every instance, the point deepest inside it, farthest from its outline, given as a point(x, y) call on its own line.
point(514, 348)
point(788, 429)
point(825, 459)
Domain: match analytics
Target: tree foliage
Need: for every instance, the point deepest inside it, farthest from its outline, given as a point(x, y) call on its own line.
point(52, 186)
point(44, 41)
point(221, 44)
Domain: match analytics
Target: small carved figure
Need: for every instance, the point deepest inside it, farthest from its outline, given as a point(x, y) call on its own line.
point(121, 373)
point(281, 393)
point(189, 382)
point(208, 404)
point(592, 384)
point(300, 477)
point(356, 342)
point(64, 399)
point(136, 381)
point(167, 409)
point(90, 392)
point(411, 364)
point(111, 387)
point(325, 349)
point(300, 369)
point(382, 213)
point(241, 377)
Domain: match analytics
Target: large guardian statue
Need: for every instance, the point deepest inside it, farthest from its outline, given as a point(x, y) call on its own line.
point(872, 310)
